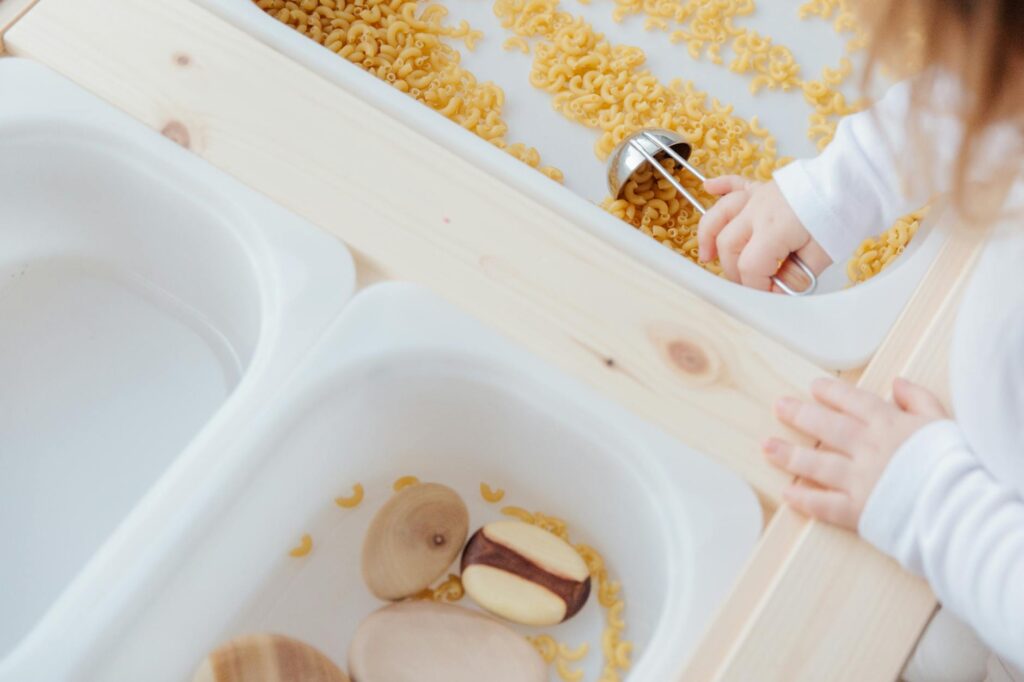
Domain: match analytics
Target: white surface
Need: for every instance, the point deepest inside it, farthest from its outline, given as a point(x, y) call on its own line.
point(405, 384)
point(143, 295)
point(840, 329)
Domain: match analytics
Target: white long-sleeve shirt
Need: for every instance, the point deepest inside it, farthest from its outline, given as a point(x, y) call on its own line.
point(950, 505)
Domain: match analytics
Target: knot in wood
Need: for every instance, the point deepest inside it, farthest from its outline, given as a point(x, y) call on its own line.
point(177, 132)
point(689, 357)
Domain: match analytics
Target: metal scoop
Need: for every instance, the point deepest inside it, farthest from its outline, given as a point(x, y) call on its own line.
point(652, 145)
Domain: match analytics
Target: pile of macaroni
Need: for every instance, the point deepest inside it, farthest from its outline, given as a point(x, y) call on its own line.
point(401, 43)
point(877, 253)
point(708, 26)
point(606, 87)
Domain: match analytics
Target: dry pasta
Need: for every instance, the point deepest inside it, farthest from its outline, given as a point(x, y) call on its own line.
point(877, 253)
point(304, 547)
point(353, 500)
point(516, 43)
point(566, 673)
point(491, 494)
point(559, 653)
point(573, 654)
point(518, 513)
point(705, 26)
point(404, 482)
point(605, 87)
point(400, 42)
point(546, 646)
point(843, 17)
point(450, 590)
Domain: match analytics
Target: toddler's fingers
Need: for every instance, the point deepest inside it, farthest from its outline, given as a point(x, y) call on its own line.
point(835, 430)
point(730, 244)
point(825, 505)
point(917, 400)
point(827, 469)
point(715, 220)
point(760, 260)
point(845, 397)
point(726, 184)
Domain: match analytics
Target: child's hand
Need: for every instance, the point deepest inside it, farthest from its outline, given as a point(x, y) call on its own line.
point(858, 434)
point(752, 229)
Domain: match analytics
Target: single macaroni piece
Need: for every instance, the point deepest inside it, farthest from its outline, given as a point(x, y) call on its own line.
point(491, 494)
point(352, 500)
point(304, 547)
point(573, 654)
point(546, 646)
point(518, 513)
point(567, 674)
point(516, 43)
point(404, 482)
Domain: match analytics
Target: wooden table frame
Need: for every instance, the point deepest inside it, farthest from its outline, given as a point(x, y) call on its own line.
point(814, 603)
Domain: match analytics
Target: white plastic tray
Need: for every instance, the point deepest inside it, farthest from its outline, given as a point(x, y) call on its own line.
point(839, 329)
point(147, 303)
point(405, 384)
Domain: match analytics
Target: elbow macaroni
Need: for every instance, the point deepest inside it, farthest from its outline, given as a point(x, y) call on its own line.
point(604, 87)
point(400, 43)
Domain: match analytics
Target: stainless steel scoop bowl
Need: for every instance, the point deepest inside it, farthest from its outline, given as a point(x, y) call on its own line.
point(651, 146)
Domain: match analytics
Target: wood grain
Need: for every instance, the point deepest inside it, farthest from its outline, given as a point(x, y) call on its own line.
point(267, 658)
point(498, 254)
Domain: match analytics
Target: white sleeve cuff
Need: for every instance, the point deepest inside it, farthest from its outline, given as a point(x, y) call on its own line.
point(814, 211)
point(888, 517)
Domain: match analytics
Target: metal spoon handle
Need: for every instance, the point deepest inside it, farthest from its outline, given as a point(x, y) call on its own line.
point(680, 159)
point(661, 170)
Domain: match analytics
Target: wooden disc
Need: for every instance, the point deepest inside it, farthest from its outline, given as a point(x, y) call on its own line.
point(413, 540)
point(267, 658)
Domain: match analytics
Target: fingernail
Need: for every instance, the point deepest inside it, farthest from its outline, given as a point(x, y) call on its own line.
point(785, 405)
point(821, 382)
point(702, 255)
point(771, 446)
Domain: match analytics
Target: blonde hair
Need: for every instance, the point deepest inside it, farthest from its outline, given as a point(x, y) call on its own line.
point(978, 42)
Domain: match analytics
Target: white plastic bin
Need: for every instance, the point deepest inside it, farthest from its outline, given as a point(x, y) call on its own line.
point(148, 304)
point(405, 384)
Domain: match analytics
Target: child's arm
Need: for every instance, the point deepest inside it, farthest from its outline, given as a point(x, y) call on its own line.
point(902, 474)
point(856, 187)
point(822, 208)
point(940, 513)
